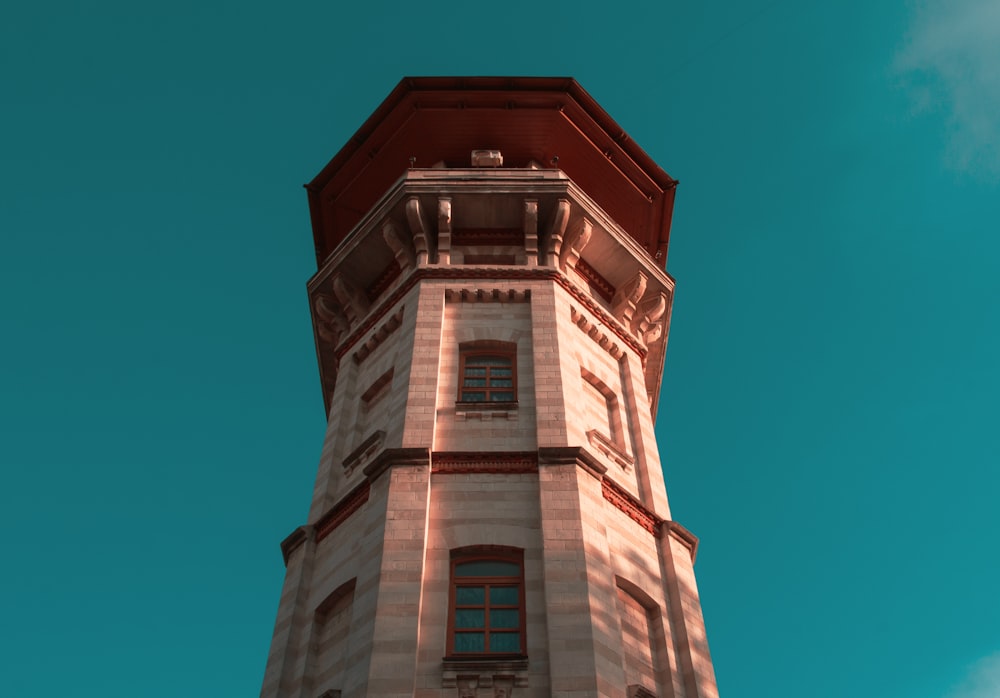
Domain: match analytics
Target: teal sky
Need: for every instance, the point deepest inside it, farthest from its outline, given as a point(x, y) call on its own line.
point(828, 423)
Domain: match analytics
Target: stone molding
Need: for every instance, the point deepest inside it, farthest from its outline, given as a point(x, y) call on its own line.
point(341, 341)
point(342, 510)
point(471, 674)
point(481, 295)
point(396, 456)
point(610, 449)
point(630, 506)
point(384, 281)
point(591, 330)
point(364, 451)
point(387, 328)
point(505, 462)
point(572, 455)
point(294, 540)
point(597, 282)
point(493, 274)
point(682, 535)
point(507, 237)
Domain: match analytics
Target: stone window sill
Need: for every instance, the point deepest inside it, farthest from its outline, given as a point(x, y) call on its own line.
point(485, 410)
point(473, 672)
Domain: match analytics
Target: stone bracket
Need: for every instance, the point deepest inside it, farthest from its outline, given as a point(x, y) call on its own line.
point(500, 675)
point(444, 230)
point(610, 449)
point(363, 452)
point(531, 231)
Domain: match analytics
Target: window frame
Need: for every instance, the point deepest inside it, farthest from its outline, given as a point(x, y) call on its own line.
point(490, 553)
point(487, 348)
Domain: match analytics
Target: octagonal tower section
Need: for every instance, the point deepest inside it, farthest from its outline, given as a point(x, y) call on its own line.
point(489, 516)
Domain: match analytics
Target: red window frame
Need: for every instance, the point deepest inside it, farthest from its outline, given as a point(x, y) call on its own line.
point(493, 636)
point(487, 372)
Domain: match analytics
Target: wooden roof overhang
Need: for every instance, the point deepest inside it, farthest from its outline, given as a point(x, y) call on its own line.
point(550, 121)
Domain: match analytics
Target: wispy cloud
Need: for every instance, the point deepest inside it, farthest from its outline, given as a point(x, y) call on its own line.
point(952, 59)
point(982, 681)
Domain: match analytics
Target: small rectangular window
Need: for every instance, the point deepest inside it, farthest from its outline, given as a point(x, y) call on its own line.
point(488, 372)
point(486, 614)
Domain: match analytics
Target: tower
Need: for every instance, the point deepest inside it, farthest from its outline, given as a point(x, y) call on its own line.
point(491, 311)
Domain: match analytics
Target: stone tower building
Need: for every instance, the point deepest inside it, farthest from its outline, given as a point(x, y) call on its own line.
point(491, 313)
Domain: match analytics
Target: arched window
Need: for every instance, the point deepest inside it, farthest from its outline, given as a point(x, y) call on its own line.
point(487, 372)
point(486, 605)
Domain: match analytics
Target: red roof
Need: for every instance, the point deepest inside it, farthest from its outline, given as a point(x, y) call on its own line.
point(552, 121)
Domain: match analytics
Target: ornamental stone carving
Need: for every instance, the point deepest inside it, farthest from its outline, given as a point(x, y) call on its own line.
point(556, 232)
point(331, 323)
point(444, 230)
point(421, 240)
point(573, 246)
point(650, 310)
point(531, 231)
point(352, 299)
point(624, 303)
point(401, 247)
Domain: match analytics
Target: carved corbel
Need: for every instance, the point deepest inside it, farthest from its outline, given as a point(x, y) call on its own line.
point(352, 299)
point(627, 297)
point(647, 323)
point(503, 686)
point(531, 231)
point(573, 245)
point(421, 239)
point(556, 233)
point(444, 230)
point(400, 246)
point(331, 323)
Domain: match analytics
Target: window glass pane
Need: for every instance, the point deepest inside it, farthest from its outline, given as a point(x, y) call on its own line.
point(471, 618)
point(502, 397)
point(505, 642)
point(474, 383)
point(473, 397)
point(488, 361)
point(471, 371)
point(502, 372)
point(506, 618)
point(470, 642)
point(503, 596)
point(488, 568)
point(470, 596)
point(499, 383)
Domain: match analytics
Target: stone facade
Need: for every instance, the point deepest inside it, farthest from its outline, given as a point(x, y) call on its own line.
point(562, 484)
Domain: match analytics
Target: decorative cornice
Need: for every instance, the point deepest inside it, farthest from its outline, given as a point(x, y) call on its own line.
point(482, 295)
point(342, 510)
point(367, 446)
point(629, 505)
point(682, 535)
point(494, 274)
point(396, 456)
point(384, 280)
point(487, 236)
point(387, 328)
point(571, 455)
point(512, 671)
point(294, 540)
point(610, 449)
point(506, 462)
point(376, 387)
point(591, 330)
point(597, 282)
